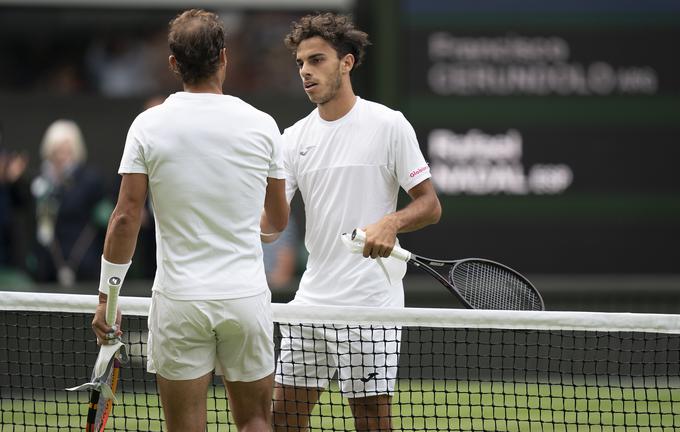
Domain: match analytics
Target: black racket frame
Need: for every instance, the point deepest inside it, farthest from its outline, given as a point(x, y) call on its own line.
point(427, 264)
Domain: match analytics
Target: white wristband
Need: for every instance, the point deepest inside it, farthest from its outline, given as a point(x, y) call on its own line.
point(110, 269)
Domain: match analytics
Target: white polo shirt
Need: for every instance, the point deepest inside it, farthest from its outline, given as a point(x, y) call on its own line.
point(207, 157)
point(349, 172)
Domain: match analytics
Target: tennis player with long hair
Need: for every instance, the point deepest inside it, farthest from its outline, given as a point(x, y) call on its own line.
point(210, 162)
point(348, 159)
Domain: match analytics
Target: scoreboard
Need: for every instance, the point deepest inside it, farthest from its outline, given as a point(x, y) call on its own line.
point(552, 130)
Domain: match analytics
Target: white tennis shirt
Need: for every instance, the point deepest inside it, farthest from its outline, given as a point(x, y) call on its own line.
point(207, 157)
point(349, 172)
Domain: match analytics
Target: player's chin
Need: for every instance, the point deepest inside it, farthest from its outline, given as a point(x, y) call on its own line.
point(318, 99)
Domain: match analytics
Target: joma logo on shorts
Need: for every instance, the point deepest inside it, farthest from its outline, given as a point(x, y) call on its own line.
point(369, 377)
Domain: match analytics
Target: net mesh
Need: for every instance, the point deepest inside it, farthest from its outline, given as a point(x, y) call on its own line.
point(458, 369)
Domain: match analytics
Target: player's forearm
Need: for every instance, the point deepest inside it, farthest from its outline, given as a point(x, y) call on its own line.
point(423, 211)
point(276, 208)
point(275, 221)
point(121, 236)
point(268, 233)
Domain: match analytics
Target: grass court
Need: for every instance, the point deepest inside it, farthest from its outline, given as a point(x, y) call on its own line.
point(417, 406)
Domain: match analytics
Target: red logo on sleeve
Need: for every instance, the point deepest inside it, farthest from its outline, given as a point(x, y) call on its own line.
point(419, 170)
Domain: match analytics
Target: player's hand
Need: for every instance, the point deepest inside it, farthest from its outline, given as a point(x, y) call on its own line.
point(106, 334)
point(380, 238)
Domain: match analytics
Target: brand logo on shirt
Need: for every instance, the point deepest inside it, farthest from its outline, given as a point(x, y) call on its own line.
point(419, 170)
point(306, 150)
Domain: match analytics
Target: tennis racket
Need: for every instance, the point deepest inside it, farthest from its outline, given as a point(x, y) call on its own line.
point(478, 283)
point(101, 402)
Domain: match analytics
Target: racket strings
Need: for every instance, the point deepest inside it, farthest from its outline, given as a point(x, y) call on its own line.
point(488, 286)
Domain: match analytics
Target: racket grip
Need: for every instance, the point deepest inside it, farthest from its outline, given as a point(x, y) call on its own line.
point(400, 254)
point(112, 300)
point(397, 252)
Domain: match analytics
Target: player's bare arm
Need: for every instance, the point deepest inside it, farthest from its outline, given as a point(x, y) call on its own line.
point(121, 238)
point(276, 210)
point(424, 209)
point(121, 235)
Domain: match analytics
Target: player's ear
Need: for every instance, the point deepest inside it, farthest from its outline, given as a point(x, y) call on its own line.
point(347, 63)
point(223, 56)
point(172, 63)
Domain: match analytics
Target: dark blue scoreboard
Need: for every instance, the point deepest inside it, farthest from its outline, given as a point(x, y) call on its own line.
point(552, 130)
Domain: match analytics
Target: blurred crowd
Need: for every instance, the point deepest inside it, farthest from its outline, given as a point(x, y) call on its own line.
point(100, 55)
point(68, 208)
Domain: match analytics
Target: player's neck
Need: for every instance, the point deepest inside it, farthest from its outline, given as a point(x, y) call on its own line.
point(211, 85)
point(339, 106)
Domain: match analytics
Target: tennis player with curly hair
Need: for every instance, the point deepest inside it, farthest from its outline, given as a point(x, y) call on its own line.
point(348, 158)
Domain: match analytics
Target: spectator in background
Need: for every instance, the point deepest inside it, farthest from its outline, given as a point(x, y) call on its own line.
point(121, 67)
point(12, 168)
point(71, 209)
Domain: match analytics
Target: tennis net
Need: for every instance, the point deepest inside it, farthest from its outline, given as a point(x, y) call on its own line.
point(458, 369)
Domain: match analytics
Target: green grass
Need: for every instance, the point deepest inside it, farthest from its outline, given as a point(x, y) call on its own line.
point(417, 406)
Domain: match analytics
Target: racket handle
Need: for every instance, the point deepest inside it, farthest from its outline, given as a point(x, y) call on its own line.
point(397, 252)
point(112, 300)
point(400, 254)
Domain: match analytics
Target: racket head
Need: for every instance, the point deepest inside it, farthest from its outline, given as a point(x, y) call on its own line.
point(485, 284)
point(99, 407)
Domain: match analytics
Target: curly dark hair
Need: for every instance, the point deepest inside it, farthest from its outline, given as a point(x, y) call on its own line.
point(196, 38)
point(337, 30)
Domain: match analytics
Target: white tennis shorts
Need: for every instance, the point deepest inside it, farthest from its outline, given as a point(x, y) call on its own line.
point(364, 358)
point(189, 338)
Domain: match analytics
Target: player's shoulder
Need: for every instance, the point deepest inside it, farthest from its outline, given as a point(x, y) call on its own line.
point(142, 122)
point(377, 112)
point(249, 110)
point(149, 114)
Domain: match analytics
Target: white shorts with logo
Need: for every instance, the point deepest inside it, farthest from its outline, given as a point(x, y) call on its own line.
point(190, 338)
point(364, 358)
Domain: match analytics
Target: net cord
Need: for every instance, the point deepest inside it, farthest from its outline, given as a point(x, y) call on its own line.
point(383, 316)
